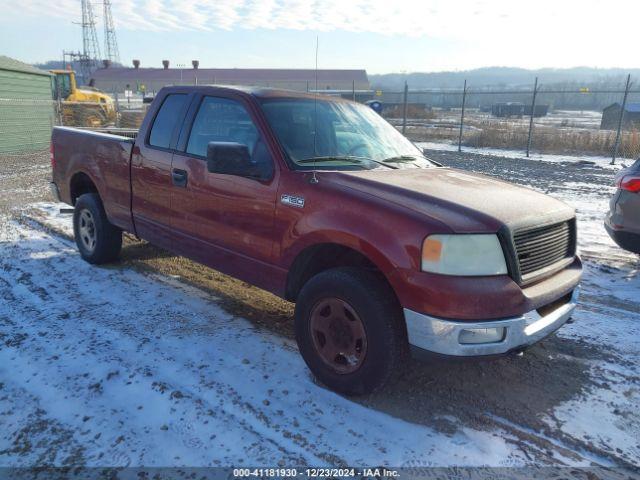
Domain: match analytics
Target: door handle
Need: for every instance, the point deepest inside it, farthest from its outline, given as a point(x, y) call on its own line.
point(179, 177)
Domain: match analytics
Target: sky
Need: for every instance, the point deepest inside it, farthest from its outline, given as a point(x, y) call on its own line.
point(379, 35)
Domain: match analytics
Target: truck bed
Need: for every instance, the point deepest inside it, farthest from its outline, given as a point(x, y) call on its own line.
point(130, 133)
point(103, 159)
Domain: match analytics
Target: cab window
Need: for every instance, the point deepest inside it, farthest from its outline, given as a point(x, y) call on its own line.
point(166, 120)
point(221, 120)
point(62, 87)
point(224, 120)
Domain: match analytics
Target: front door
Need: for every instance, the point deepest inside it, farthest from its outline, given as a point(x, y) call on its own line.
point(224, 221)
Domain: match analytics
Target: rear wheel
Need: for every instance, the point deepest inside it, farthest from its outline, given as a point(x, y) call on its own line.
point(349, 330)
point(98, 240)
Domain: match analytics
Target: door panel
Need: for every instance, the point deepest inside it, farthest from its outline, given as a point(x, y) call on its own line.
point(151, 195)
point(225, 221)
point(232, 212)
point(151, 172)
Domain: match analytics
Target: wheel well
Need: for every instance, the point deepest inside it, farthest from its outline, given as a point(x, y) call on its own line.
point(81, 184)
point(318, 258)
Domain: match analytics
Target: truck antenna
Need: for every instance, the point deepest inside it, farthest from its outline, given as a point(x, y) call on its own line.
point(314, 178)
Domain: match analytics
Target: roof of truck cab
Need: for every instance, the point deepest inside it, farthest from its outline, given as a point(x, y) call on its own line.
point(261, 92)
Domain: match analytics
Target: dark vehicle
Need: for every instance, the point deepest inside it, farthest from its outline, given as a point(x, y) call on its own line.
point(322, 202)
point(623, 220)
point(375, 105)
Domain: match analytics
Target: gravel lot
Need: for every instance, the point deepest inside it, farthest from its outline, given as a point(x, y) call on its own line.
point(23, 179)
point(159, 361)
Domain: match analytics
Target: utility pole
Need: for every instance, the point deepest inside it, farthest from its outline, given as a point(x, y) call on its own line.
point(181, 66)
point(620, 119)
point(464, 101)
point(90, 45)
point(72, 57)
point(404, 109)
point(110, 41)
point(533, 111)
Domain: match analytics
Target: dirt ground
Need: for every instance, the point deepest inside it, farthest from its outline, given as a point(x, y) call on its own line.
point(24, 179)
point(522, 395)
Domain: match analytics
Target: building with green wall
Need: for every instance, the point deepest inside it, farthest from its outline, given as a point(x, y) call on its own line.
point(27, 111)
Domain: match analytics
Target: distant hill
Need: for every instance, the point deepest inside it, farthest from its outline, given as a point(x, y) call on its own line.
point(59, 64)
point(503, 77)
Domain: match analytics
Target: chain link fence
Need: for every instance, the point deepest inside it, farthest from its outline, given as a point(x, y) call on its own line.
point(25, 125)
point(555, 121)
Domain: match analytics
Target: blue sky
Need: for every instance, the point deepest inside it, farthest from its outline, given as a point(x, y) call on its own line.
point(379, 35)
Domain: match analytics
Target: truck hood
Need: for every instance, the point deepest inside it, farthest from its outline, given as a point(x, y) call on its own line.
point(465, 202)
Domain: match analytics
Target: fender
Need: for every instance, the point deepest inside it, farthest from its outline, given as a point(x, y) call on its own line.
point(108, 169)
point(343, 239)
point(389, 237)
point(89, 172)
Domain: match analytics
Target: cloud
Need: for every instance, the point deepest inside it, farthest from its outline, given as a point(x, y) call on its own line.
point(471, 20)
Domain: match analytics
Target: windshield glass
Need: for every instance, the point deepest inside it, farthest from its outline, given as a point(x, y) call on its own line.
point(63, 86)
point(348, 136)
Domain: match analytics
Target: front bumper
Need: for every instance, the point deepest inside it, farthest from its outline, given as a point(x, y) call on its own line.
point(442, 336)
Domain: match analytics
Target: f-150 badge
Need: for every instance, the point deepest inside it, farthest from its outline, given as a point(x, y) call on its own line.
point(292, 200)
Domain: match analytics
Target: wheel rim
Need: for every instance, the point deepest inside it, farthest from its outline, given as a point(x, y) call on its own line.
point(87, 230)
point(338, 335)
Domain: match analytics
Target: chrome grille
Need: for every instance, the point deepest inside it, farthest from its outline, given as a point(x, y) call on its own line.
point(542, 247)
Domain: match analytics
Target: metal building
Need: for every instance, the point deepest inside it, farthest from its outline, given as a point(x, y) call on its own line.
point(517, 109)
point(611, 116)
point(153, 79)
point(507, 109)
point(26, 107)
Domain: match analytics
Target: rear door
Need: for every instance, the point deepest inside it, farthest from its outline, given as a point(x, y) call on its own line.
point(151, 178)
point(225, 221)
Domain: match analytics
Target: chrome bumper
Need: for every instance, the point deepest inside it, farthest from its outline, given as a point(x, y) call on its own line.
point(54, 191)
point(442, 336)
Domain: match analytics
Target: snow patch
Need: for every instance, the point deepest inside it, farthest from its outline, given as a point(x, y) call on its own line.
point(603, 162)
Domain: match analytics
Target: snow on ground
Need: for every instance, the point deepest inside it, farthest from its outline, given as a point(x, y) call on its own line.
point(603, 162)
point(608, 317)
point(107, 366)
point(110, 366)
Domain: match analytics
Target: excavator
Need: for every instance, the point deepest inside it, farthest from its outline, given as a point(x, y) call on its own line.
point(82, 107)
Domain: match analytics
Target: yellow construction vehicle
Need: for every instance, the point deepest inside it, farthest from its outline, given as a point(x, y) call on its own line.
point(82, 107)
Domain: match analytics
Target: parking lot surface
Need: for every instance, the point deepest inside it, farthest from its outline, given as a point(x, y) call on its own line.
point(158, 361)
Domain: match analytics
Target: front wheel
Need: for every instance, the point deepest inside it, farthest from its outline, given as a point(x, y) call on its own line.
point(350, 330)
point(97, 239)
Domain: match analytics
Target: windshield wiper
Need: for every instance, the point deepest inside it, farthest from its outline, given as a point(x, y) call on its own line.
point(410, 159)
point(338, 158)
point(400, 159)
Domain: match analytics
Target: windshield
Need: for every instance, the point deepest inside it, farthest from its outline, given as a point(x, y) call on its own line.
point(62, 86)
point(348, 136)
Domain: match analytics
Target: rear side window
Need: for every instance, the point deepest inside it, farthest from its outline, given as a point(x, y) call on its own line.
point(166, 119)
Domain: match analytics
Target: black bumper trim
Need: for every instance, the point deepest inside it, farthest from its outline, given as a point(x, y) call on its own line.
point(626, 240)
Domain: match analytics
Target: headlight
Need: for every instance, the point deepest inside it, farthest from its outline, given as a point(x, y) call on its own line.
point(465, 254)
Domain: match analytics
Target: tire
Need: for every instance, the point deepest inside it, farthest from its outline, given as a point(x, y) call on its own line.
point(98, 240)
point(345, 298)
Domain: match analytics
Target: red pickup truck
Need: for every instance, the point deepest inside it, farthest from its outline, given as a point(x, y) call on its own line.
point(322, 202)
